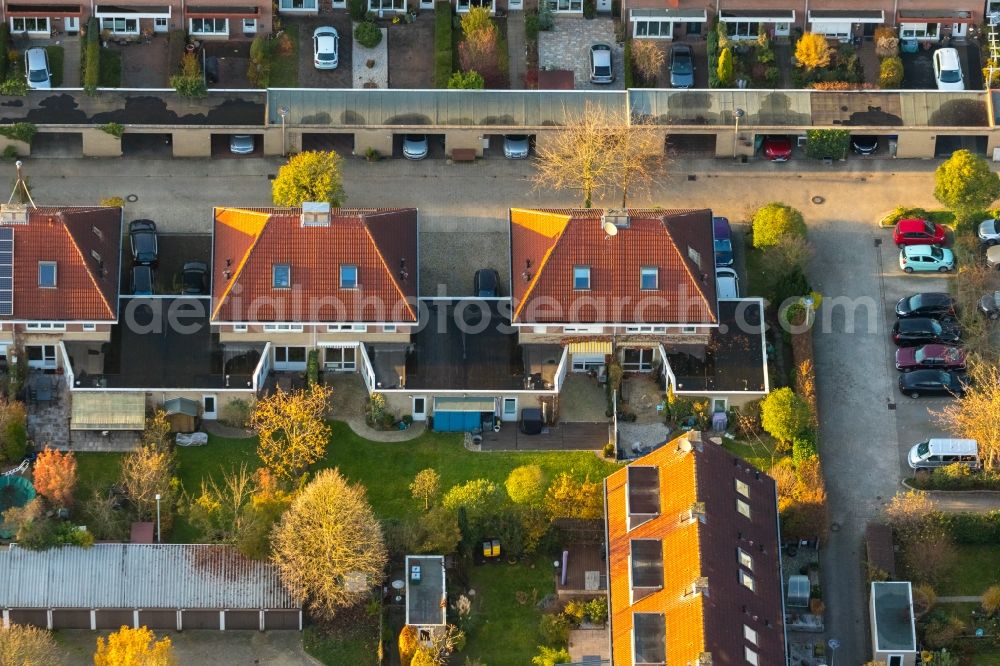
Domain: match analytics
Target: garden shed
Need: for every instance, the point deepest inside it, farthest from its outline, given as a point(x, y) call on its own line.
point(182, 414)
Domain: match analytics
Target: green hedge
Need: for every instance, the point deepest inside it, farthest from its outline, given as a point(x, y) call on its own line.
point(828, 143)
point(972, 528)
point(368, 35)
point(4, 48)
point(627, 57)
point(176, 43)
point(92, 57)
point(442, 44)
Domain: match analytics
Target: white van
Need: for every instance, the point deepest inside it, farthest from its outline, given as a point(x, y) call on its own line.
point(940, 452)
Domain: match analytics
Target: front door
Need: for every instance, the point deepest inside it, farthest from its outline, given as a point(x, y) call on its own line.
point(604, 6)
point(72, 24)
point(419, 411)
point(515, 5)
point(782, 29)
point(509, 409)
point(959, 30)
point(289, 358)
point(209, 409)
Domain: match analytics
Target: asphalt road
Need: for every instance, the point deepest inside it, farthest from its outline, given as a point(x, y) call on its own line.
point(862, 439)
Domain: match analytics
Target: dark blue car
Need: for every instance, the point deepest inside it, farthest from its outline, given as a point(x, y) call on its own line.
point(723, 241)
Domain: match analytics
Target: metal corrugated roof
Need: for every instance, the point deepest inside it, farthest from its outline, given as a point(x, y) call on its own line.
point(139, 576)
point(185, 406)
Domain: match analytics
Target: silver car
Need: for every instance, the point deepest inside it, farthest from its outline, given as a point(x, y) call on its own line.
point(601, 67)
point(516, 146)
point(989, 231)
point(36, 68)
point(325, 47)
point(415, 146)
point(241, 144)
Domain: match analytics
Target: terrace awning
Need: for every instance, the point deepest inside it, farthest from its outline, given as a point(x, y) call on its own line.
point(108, 411)
point(934, 16)
point(185, 406)
point(590, 347)
point(846, 16)
point(675, 15)
point(757, 15)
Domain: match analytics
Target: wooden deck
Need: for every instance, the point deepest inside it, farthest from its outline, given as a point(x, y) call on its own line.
point(583, 557)
point(561, 437)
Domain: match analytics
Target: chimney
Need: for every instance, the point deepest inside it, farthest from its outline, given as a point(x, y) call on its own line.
point(315, 214)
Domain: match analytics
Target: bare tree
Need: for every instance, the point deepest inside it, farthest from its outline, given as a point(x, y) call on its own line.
point(975, 415)
point(146, 472)
point(24, 645)
point(648, 58)
point(637, 153)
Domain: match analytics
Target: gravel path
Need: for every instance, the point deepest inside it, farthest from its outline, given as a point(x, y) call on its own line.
point(378, 73)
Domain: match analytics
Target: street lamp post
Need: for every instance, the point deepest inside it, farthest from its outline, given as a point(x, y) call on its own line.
point(157, 517)
point(808, 302)
point(737, 114)
point(833, 644)
point(283, 112)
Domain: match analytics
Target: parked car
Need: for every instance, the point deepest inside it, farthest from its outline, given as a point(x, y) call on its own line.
point(143, 280)
point(516, 146)
point(601, 66)
point(989, 305)
point(936, 305)
point(914, 231)
point(993, 257)
point(932, 382)
point(935, 452)
point(727, 283)
point(924, 330)
point(865, 144)
point(486, 283)
point(241, 144)
point(681, 66)
point(922, 258)
point(326, 44)
point(948, 70)
point(194, 278)
point(989, 231)
point(723, 241)
point(930, 357)
point(145, 248)
point(777, 148)
point(415, 146)
point(36, 68)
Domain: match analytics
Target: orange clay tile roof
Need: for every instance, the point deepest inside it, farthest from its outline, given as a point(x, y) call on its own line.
point(86, 245)
point(698, 624)
point(249, 242)
point(547, 244)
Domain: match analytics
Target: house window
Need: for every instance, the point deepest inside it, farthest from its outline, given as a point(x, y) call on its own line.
point(41, 356)
point(346, 328)
point(743, 507)
point(281, 276)
point(645, 329)
point(45, 326)
point(746, 580)
point(583, 329)
point(283, 328)
point(389, 328)
point(918, 30)
point(120, 26)
point(340, 359)
point(750, 634)
point(29, 25)
point(90, 327)
point(750, 655)
point(652, 28)
point(96, 256)
point(297, 5)
point(895, 660)
point(97, 232)
point(744, 558)
point(693, 254)
point(742, 488)
point(47, 274)
point(465, 5)
point(397, 5)
point(743, 29)
point(689, 329)
point(209, 26)
point(161, 25)
point(348, 277)
point(249, 26)
point(719, 405)
point(566, 5)
point(239, 328)
point(581, 277)
point(649, 278)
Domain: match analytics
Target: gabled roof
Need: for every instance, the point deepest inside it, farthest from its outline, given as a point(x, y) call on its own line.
point(382, 243)
point(547, 244)
point(699, 477)
point(85, 243)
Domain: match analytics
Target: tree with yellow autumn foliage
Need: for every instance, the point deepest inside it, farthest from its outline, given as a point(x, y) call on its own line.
point(408, 644)
point(292, 432)
point(54, 476)
point(134, 647)
point(812, 51)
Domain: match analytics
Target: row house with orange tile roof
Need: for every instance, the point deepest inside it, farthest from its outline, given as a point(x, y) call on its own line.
point(693, 559)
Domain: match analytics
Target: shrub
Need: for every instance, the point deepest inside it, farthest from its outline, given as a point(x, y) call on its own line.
point(589, 9)
point(554, 628)
point(890, 72)
point(358, 9)
point(20, 132)
point(236, 413)
point(724, 70)
point(466, 80)
point(546, 21)
point(804, 447)
point(189, 83)
point(784, 415)
point(4, 48)
point(92, 57)
point(10, 153)
point(953, 477)
point(597, 610)
point(627, 62)
point(531, 24)
point(575, 611)
point(647, 59)
point(368, 35)
point(477, 19)
point(14, 433)
point(259, 69)
point(774, 221)
point(972, 528)
point(526, 485)
point(114, 129)
point(609, 450)
point(550, 656)
point(442, 44)
point(830, 143)
point(812, 51)
point(886, 42)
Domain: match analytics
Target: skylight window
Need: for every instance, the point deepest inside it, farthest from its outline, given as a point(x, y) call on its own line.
point(348, 277)
point(281, 276)
point(47, 274)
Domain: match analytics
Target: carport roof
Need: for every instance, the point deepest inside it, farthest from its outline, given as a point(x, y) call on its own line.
point(716, 107)
point(932, 108)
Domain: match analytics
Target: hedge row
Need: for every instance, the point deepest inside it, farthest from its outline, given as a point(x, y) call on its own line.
point(4, 49)
point(92, 57)
point(973, 528)
point(442, 44)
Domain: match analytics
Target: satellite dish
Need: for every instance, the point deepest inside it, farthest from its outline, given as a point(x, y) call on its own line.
point(610, 229)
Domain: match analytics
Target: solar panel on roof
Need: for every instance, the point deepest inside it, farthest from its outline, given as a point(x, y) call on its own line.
point(647, 563)
point(650, 638)
point(643, 490)
point(6, 271)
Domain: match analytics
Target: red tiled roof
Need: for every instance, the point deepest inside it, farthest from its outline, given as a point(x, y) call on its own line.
point(382, 243)
point(554, 241)
point(707, 623)
point(86, 287)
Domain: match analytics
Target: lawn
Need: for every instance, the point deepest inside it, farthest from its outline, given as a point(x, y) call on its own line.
point(111, 68)
point(57, 56)
point(285, 68)
point(975, 569)
point(973, 651)
point(760, 454)
point(341, 647)
point(504, 611)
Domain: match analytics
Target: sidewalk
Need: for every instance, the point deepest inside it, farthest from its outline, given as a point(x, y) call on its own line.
point(517, 52)
point(71, 62)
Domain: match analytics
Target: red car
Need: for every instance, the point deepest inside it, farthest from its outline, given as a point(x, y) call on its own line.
point(777, 148)
point(914, 231)
point(930, 357)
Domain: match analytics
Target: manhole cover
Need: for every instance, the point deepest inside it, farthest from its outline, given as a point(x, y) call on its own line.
point(834, 527)
point(132, 198)
point(692, 177)
point(818, 200)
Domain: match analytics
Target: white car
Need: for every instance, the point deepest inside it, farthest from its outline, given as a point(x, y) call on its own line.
point(516, 146)
point(325, 47)
point(727, 283)
point(415, 146)
point(36, 68)
point(989, 231)
point(948, 70)
point(241, 144)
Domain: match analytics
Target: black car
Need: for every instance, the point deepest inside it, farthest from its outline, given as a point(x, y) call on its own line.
point(864, 144)
point(143, 280)
point(486, 283)
point(924, 330)
point(145, 249)
point(932, 382)
point(928, 304)
point(194, 278)
point(989, 305)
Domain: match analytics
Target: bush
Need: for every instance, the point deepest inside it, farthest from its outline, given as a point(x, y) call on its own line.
point(531, 24)
point(367, 34)
point(466, 81)
point(189, 83)
point(4, 48)
point(554, 628)
point(627, 57)
point(114, 129)
point(890, 72)
point(259, 69)
point(831, 143)
point(20, 132)
point(784, 415)
point(953, 477)
point(774, 221)
point(236, 413)
point(546, 21)
point(597, 610)
point(589, 9)
point(804, 447)
point(575, 610)
point(358, 9)
point(92, 57)
point(442, 44)
point(972, 528)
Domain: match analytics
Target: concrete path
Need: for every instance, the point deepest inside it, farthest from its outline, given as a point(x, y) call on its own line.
point(966, 502)
point(959, 600)
point(517, 51)
point(71, 62)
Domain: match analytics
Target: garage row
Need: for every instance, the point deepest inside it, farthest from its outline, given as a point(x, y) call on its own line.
point(174, 620)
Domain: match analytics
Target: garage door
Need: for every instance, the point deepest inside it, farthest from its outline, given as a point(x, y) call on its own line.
point(461, 414)
point(71, 619)
point(158, 619)
point(114, 619)
point(242, 619)
point(281, 620)
point(197, 619)
point(36, 618)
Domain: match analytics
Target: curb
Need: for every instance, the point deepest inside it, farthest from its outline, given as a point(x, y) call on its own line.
point(949, 492)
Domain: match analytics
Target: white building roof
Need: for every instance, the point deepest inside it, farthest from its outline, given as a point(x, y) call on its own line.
point(139, 576)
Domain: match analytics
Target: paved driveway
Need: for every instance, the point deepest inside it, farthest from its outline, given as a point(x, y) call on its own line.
point(309, 76)
point(567, 46)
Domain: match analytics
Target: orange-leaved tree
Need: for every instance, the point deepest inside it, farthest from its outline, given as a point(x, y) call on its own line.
point(128, 647)
point(55, 476)
point(292, 432)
